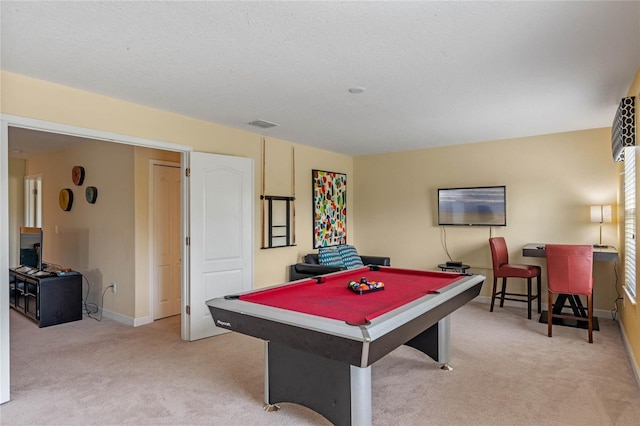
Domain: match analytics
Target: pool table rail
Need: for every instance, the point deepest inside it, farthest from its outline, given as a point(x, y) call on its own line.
point(360, 345)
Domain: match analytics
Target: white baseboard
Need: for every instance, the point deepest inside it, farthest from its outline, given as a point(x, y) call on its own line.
point(142, 321)
point(634, 363)
point(133, 322)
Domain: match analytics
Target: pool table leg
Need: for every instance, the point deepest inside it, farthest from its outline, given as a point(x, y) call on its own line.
point(268, 407)
point(444, 343)
point(435, 342)
point(361, 411)
point(337, 390)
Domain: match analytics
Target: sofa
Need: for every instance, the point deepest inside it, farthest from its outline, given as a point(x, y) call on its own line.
point(311, 266)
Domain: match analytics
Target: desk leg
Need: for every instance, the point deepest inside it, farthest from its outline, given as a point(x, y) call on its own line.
point(578, 310)
point(561, 300)
point(577, 306)
point(574, 303)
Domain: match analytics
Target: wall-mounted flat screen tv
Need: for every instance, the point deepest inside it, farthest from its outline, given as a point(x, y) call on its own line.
point(31, 247)
point(477, 206)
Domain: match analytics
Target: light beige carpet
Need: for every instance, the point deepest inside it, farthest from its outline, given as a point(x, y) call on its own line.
point(506, 372)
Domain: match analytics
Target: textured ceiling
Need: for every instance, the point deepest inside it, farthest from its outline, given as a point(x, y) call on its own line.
point(435, 73)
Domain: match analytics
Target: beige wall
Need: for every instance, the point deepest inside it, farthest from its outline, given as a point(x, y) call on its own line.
point(271, 265)
point(94, 239)
point(27, 97)
point(630, 311)
point(551, 181)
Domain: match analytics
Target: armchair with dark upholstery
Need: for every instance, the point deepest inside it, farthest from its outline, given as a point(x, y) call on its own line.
point(311, 266)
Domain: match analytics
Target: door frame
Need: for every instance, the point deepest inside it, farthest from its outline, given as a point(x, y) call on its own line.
point(6, 121)
point(152, 292)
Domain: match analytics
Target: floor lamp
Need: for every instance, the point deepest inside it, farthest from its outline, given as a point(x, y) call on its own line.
point(600, 214)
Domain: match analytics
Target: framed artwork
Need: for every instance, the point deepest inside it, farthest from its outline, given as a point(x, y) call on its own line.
point(329, 208)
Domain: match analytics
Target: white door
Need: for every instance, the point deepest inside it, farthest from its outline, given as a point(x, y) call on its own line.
point(221, 235)
point(166, 239)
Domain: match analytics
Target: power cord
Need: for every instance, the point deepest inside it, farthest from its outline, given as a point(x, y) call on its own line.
point(443, 241)
point(614, 312)
point(95, 308)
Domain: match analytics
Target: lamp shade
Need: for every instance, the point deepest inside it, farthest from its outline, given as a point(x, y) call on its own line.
point(596, 214)
point(600, 214)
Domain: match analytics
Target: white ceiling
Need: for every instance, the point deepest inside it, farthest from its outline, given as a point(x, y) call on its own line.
point(435, 73)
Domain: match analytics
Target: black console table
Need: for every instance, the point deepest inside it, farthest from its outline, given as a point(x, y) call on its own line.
point(457, 268)
point(48, 299)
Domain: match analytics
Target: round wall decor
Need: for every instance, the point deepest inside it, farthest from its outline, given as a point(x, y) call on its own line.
point(65, 198)
point(77, 175)
point(91, 193)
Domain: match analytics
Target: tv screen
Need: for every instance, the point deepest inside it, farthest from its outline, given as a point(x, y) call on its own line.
point(31, 247)
point(478, 206)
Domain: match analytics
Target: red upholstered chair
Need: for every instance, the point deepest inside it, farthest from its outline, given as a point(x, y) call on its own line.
point(570, 272)
point(503, 269)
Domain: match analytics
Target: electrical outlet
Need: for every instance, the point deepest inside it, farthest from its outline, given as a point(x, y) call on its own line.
point(113, 287)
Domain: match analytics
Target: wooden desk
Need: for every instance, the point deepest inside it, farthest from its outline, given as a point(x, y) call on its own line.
point(600, 254)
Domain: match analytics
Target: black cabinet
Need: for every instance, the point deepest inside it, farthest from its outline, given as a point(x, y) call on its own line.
point(47, 300)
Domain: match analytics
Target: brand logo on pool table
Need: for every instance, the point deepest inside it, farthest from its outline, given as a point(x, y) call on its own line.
point(223, 323)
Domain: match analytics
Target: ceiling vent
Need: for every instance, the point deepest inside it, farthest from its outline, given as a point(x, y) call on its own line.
point(623, 130)
point(262, 124)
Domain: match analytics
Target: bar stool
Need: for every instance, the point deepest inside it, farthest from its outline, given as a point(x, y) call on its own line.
point(503, 269)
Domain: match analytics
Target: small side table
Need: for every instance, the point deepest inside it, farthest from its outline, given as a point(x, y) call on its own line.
point(462, 268)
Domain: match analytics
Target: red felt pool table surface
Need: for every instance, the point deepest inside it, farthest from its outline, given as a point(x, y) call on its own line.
point(331, 298)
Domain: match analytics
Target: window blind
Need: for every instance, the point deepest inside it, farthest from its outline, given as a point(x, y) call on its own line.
point(630, 221)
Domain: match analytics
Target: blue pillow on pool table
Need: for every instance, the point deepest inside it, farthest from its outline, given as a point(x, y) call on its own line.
point(350, 257)
point(329, 256)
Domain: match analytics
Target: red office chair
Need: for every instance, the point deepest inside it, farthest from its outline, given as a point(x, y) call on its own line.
point(503, 269)
point(570, 273)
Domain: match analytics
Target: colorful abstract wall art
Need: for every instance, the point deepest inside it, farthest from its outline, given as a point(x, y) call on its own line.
point(329, 208)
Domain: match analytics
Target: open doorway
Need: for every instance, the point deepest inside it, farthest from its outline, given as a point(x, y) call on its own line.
point(52, 132)
point(226, 179)
point(106, 240)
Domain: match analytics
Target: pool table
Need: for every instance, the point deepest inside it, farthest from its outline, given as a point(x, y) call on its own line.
point(322, 337)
